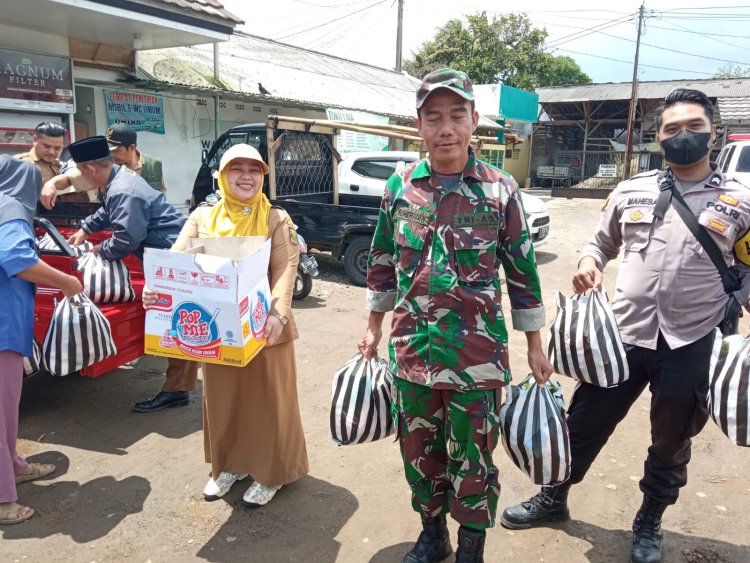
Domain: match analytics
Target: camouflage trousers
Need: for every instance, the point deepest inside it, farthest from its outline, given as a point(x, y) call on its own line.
point(447, 438)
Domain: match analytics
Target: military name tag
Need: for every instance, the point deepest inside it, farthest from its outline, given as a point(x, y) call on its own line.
point(476, 220)
point(414, 215)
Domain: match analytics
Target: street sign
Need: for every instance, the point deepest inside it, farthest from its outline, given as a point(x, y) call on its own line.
point(607, 171)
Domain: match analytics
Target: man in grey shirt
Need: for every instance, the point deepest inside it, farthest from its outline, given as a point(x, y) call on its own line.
point(669, 298)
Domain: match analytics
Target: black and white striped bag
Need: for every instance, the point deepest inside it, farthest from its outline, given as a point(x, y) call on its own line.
point(33, 364)
point(361, 401)
point(534, 431)
point(729, 387)
point(79, 335)
point(105, 281)
point(46, 243)
point(584, 341)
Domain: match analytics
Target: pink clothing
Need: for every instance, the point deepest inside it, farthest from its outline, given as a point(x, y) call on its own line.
point(11, 380)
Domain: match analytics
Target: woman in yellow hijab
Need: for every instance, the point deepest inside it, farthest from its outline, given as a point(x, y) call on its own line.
point(251, 421)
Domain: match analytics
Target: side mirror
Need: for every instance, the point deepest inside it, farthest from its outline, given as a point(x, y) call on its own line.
point(204, 155)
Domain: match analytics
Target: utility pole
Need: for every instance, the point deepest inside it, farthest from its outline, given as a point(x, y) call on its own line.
point(399, 34)
point(633, 100)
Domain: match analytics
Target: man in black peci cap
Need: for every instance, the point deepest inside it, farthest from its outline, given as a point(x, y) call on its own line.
point(139, 217)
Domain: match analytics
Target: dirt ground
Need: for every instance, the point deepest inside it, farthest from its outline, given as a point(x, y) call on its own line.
point(128, 485)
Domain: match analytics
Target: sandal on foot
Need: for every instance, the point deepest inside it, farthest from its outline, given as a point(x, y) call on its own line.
point(35, 471)
point(14, 513)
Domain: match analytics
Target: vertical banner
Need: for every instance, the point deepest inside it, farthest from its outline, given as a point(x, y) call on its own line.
point(142, 112)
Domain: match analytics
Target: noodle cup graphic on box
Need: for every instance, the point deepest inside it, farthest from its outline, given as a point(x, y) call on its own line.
point(219, 287)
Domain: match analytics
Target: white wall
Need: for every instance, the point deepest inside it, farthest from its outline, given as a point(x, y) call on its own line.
point(33, 41)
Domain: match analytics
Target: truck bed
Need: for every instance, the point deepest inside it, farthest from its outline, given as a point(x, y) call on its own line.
point(126, 319)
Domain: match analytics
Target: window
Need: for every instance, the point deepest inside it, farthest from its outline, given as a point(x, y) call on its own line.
point(728, 159)
point(743, 162)
point(378, 169)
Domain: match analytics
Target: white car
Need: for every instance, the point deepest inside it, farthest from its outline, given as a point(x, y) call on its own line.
point(734, 160)
point(362, 178)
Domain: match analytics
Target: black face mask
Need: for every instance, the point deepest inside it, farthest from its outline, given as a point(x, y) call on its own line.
point(686, 147)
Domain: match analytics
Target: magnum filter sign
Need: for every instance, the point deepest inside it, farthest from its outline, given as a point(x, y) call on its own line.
point(29, 81)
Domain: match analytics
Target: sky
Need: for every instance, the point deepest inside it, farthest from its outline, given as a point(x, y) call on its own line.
point(682, 39)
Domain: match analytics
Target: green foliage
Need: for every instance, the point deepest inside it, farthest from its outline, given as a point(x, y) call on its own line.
point(732, 71)
point(562, 71)
point(507, 49)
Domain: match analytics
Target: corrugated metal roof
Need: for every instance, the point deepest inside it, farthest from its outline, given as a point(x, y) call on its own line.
point(734, 110)
point(713, 87)
point(288, 73)
point(203, 7)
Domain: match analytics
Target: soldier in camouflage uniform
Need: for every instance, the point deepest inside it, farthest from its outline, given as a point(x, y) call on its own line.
point(446, 225)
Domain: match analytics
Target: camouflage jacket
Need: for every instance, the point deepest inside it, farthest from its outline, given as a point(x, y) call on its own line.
point(435, 261)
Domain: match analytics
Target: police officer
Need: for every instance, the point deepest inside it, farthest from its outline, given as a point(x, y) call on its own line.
point(668, 300)
point(445, 226)
point(139, 217)
point(123, 145)
point(49, 140)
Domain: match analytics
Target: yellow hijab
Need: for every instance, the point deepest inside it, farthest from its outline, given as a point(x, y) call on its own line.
point(232, 217)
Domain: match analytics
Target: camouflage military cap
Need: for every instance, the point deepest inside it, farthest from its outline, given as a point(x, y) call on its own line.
point(455, 80)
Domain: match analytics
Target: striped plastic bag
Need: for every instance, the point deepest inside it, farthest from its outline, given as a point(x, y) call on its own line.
point(33, 364)
point(79, 335)
point(105, 281)
point(534, 431)
point(361, 401)
point(584, 341)
point(47, 243)
point(729, 387)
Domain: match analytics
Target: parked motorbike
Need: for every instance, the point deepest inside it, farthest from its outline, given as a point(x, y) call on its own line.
point(306, 271)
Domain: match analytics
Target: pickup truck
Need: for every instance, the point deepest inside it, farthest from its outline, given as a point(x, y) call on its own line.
point(126, 319)
point(734, 160)
point(304, 178)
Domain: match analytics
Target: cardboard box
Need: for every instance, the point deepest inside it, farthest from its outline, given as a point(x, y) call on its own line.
point(214, 300)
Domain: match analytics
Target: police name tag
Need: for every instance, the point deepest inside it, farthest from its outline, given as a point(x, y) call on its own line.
point(717, 224)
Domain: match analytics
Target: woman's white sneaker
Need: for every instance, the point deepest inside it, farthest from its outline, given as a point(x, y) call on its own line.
point(258, 495)
point(217, 488)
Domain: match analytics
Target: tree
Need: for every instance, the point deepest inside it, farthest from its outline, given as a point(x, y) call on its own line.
point(507, 48)
point(562, 71)
point(731, 71)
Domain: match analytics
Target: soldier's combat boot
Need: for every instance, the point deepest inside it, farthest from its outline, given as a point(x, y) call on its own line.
point(433, 544)
point(470, 545)
point(549, 505)
point(647, 534)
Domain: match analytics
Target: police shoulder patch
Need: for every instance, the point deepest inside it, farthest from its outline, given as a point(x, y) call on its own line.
point(742, 249)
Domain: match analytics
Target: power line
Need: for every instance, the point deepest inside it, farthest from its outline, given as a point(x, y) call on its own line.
point(710, 36)
point(589, 31)
point(658, 47)
point(631, 62)
point(283, 37)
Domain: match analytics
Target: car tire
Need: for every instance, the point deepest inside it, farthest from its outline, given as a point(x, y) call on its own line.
point(355, 260)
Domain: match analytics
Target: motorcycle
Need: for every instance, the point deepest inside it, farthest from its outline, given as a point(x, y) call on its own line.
point(306, 271)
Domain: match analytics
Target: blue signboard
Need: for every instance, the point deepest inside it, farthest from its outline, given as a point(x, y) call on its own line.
point(141, 111)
